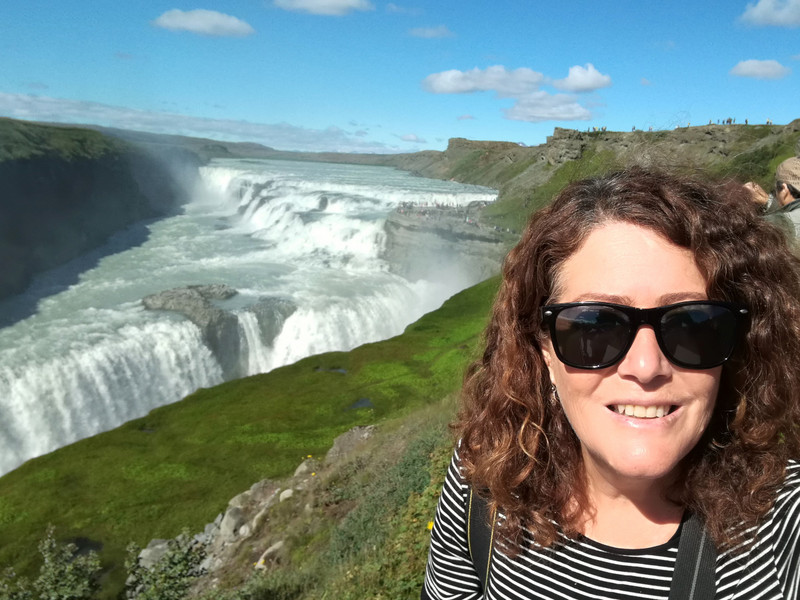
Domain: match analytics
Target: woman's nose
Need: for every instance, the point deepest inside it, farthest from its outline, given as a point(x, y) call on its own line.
point(644, 360)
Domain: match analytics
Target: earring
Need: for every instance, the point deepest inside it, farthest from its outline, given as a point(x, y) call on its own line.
point(554, 398)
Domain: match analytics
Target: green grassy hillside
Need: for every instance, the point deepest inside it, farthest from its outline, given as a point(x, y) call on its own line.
point(22, 140)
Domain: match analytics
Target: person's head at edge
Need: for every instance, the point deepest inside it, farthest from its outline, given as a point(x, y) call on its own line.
point(636, 230)
point(787, 181)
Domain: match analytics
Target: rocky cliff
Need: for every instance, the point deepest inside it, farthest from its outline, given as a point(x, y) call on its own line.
point(495, 164)
point(65, 191)
point(435, 243)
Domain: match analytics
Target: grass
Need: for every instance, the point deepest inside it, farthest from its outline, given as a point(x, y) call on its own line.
point(758, 164)
point(520, 199)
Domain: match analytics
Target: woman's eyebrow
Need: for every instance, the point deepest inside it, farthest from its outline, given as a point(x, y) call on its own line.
point(674, 297)
point(601, 297)
point(665, 299)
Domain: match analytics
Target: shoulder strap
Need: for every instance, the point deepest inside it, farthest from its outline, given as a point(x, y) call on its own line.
point(695, 567)
point(479, 536)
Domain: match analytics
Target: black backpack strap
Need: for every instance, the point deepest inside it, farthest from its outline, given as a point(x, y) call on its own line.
point(695, 568)
point(480, 537)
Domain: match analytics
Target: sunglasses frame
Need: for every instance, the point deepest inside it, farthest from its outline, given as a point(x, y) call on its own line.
point(639, 317)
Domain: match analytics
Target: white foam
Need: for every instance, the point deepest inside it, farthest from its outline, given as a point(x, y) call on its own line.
point(46, 405)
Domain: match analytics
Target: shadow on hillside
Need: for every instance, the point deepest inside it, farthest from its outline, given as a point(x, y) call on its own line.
point(56, 280)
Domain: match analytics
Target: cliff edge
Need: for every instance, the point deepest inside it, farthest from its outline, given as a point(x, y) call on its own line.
point(66, 190)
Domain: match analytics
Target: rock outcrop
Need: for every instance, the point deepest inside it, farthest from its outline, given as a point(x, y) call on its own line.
point(347, 443)
point(436, 243)
point(220, 327)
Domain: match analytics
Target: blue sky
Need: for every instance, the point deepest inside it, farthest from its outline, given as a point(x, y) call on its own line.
point(402, 76)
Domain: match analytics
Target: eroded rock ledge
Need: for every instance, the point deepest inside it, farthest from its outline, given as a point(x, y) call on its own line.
point(220, 327)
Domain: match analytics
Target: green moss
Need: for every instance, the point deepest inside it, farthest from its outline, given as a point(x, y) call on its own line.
point(22, 140)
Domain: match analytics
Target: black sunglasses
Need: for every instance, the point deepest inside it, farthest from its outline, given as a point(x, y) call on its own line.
point(594, 335)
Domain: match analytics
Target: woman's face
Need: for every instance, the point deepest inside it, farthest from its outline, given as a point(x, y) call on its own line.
point(627, 264)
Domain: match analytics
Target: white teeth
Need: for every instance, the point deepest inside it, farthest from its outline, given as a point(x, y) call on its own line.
point(642, 412)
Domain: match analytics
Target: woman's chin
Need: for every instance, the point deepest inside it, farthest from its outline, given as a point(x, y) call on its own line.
point(637, 466)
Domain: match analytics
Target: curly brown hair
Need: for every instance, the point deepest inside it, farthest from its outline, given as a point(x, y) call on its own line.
point(516, 442)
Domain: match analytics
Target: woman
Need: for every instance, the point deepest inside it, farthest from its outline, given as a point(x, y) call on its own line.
point(595, 428)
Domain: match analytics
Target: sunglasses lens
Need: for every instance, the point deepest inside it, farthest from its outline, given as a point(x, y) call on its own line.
point(699, 336)
point(591, 336)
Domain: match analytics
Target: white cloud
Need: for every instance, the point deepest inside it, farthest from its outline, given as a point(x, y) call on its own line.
point(782, 13)
point(403, 10)
point(760, 69)
point(282, 136)
point(431, 32)
point(412, 138)
point(645, 81)
point(325, 7)
point(583, 79)
point(523, 85)
point(466, 118)
point(541, 106)
point(497, 78)
point(204, 22)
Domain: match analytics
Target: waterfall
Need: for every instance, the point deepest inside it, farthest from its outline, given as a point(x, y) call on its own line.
point(50, 404)
point(301, 243)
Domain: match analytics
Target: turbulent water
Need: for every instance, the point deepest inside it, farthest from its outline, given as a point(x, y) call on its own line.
point(85, 357)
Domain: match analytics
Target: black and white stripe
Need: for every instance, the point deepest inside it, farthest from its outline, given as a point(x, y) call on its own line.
point(583, 569)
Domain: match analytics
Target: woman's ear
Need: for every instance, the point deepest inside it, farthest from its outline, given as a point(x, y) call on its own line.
point(547, 354)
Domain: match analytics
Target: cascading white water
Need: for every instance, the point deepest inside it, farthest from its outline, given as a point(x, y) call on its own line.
point(257, 355)
point(301, 242)
point(97, 383)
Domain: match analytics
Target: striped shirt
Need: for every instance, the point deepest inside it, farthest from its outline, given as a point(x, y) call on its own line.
point(584, 569)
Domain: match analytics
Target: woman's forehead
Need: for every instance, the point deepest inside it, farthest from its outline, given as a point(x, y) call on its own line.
point(629, 263)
